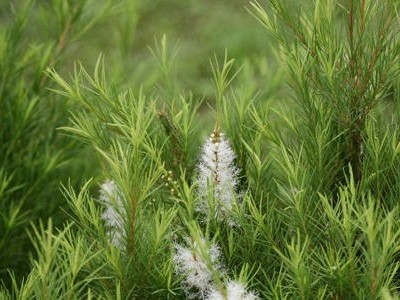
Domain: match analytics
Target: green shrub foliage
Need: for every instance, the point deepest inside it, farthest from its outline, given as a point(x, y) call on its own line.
point(34, 158)
point(263, 192)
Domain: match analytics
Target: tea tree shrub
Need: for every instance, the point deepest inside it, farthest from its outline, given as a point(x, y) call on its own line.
point(33, 157)
point(343, 62)
point(269, 194)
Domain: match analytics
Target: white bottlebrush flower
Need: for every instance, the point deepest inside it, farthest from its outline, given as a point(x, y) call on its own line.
point(234, 291)
point(189, 263)
point(217, 171)
point(114, 213)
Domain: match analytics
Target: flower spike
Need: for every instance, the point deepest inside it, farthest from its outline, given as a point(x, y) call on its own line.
point(217, 173)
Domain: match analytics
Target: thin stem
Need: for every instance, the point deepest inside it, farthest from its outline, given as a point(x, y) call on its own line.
point(60, 46)
point(362, 16)
point(132, 227)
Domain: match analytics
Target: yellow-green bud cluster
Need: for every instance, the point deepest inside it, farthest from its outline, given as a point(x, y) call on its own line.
point(170, 183)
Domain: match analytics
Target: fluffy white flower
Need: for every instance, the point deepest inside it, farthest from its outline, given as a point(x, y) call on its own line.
point(234, 291)
point(189, 263)
point(217, 171)
point(114, 213)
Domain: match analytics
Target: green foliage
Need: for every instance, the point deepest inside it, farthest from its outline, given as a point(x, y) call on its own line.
point(343, 62)
point(314, 209)
point(33, 157)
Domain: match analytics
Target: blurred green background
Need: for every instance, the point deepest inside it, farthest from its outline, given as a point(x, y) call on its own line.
point(195, 29)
